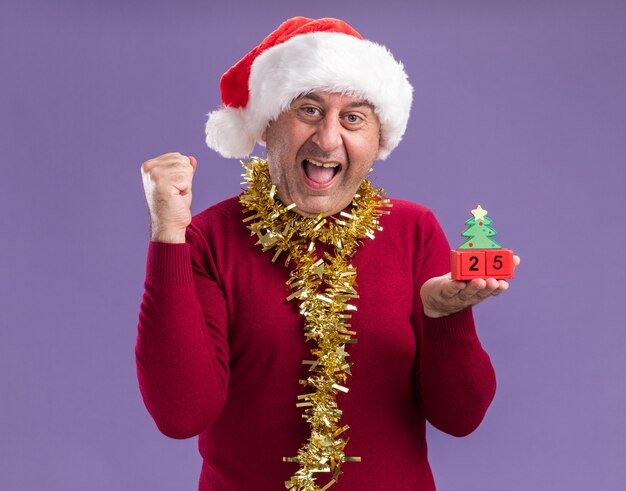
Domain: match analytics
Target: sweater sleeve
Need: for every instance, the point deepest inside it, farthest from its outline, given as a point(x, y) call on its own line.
point(182, 343)
point(455, 378)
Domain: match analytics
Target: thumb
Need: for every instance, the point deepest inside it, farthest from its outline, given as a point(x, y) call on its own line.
point(193, 162)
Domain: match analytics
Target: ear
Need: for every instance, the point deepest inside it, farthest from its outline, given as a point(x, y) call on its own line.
point(264, 134)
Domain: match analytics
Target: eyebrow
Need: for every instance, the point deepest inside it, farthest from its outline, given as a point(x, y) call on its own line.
point(361, 104)
point(313, 96)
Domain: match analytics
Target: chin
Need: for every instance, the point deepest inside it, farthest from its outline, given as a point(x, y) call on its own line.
point(314, 209)
point(311, 212)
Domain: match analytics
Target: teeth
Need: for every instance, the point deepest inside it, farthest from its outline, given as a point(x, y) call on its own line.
point(323, 164)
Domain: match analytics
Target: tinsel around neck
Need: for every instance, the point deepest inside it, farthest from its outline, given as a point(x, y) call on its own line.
point(342, 230)
point(324, 287)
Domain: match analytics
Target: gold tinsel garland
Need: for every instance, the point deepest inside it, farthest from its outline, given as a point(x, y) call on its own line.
point(323, 286)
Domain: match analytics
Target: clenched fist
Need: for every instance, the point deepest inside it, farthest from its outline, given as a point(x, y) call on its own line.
point(167, 185)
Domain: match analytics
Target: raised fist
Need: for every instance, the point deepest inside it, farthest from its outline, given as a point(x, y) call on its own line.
point(167, 186)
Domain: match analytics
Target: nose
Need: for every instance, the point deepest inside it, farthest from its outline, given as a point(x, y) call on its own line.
point(328, 134)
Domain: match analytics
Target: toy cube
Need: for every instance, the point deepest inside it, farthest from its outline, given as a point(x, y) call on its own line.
point(481, 263)
point(467, 264)
point(499, 264)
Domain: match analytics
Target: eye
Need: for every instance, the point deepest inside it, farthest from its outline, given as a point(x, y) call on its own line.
point(354, 120)
point(310, 110)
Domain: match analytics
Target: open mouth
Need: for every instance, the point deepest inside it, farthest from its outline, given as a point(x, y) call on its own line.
point(320, 173)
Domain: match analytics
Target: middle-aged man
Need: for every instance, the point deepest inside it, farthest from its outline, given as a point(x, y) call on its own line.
point(252, 308)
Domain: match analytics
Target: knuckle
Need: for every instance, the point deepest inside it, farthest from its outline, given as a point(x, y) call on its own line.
point(146, 166)
point(175, 165)
point(170, 154)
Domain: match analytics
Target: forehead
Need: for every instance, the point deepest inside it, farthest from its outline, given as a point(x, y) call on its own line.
point(335, 98)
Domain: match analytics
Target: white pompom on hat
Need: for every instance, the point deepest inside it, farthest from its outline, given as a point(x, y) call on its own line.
point(301, 56)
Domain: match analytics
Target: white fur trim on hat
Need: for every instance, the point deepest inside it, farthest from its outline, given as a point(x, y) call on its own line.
point(226, 133)
point(320, 61)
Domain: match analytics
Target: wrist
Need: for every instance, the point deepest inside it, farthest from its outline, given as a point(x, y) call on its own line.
point(167, 236)
point(433, 314)
point(168, 239)
point(436, 314)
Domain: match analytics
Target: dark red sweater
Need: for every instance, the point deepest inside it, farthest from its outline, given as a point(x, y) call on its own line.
point(219, 354)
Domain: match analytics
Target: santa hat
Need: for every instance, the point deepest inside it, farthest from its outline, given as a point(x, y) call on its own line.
point(301, 56)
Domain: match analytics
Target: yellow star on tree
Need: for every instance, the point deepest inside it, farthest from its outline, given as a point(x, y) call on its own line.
point(479, 213)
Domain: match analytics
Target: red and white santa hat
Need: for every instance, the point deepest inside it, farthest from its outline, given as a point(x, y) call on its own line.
point(301, 56)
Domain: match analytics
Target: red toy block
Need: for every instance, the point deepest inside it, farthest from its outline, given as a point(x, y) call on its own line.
point(481, 263)
point(499, 264)
point(467, 264)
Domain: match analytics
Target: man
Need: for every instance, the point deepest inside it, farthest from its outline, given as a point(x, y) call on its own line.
point(249, 341)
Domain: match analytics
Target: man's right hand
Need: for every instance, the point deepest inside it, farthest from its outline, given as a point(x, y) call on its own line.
point(167, 186)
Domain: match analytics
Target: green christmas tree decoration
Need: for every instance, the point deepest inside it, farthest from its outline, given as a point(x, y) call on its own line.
point(479, 232)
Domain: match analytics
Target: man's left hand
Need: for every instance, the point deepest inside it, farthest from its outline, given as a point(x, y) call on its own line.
point(443, 296)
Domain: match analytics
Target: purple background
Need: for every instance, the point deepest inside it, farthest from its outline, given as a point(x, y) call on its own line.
point(520, 108)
